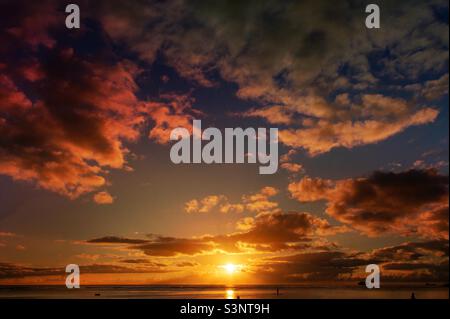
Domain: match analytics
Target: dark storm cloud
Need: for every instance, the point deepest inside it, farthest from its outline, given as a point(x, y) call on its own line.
point(411, 202)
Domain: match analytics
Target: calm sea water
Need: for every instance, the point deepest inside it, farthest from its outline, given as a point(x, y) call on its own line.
point(214, 292)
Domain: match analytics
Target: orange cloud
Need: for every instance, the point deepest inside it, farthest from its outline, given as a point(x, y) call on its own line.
point(346, 123)
point(173, 111)
point(260, 202)
point(204, 205)
point(82, 114)
point(7, 234)
point(257, 202)
point(292, 167)
point(309, 189)
point(103, 198)
point(232, 208)
point(65, 139)
point(322, 136)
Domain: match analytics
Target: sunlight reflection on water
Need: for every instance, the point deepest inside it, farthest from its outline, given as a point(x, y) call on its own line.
point(229, 294)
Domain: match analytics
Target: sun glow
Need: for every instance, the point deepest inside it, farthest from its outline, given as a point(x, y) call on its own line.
point(230, 268)
point(229, 294)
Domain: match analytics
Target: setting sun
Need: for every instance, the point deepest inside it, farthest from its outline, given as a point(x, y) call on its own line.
point(230, 268)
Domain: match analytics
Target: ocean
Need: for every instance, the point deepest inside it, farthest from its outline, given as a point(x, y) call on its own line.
point(220, 292)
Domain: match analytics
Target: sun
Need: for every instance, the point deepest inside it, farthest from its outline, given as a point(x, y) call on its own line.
point(230, 268)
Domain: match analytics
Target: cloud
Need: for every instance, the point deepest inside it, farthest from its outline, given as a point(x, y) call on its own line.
point(143, 261)
point(84, 256)
point(103, 198)
point(310, 190)
point(430, 90)
point(292, 167)
point(186, 264)
point(174, 110)
point(64, 140)
point(418, 272)
point(424, 261)
point(414, 261)
point(7, 234)
point(409, 262)
point(294, 63)
point(205, 205)
point(83, 112)
point(65, 120)
point(11, 271)
point(30, 23)
point(161, 246)
point(377, 118)
point(408, 203)
point(265, 232)
point(170, 246)
point(260, 202)
point(412, 251)
point(435, 89)
point(314, 266)
point(287, 162)
point(274, 114)
point(232, 208)
point(116, 240)
point(278, 230)
point(255, 203)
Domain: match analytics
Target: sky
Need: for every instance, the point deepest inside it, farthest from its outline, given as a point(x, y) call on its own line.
point(86, 116)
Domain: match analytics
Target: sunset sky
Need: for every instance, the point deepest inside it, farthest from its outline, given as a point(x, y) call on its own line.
point(86, 115)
